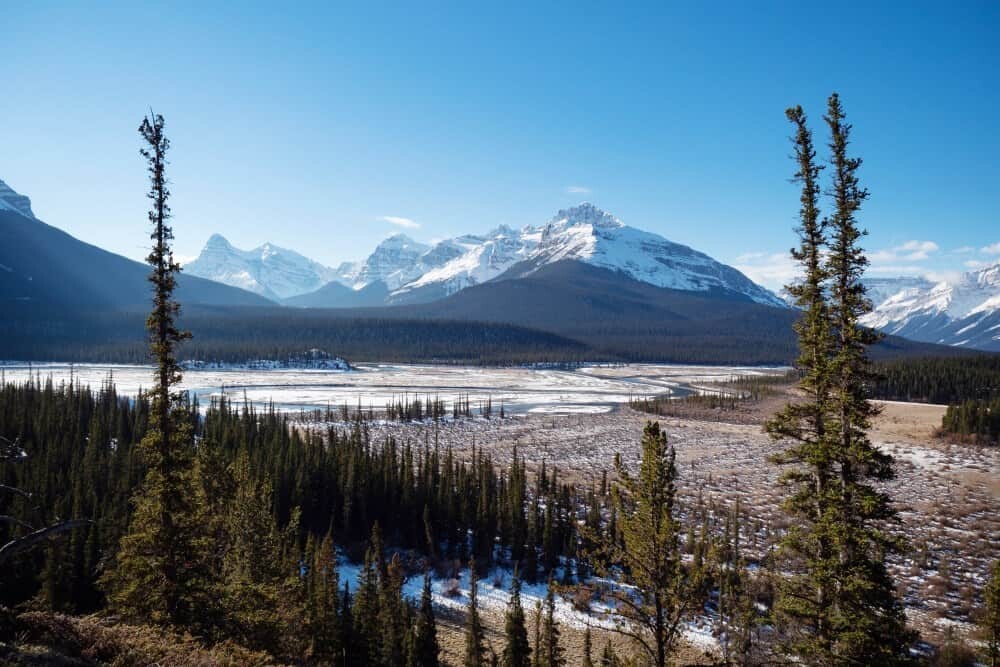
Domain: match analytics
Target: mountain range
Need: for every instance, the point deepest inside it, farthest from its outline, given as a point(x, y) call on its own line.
point(583, 285)
point(401, 271)
point(962, 313)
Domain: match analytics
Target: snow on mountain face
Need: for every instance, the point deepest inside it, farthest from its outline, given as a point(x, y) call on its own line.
point(395, 262)
point(268, 270)
point(12, 201)
point(413, 272)
point(962, 313)
point(588, 234)
point(879, 290)
point(482, 258)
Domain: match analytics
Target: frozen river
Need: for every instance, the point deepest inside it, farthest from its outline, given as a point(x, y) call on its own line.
point(588, 389)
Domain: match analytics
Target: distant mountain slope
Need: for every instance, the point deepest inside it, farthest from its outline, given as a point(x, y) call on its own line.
point(587, 234)
point(416, 273)
point(12, 201)
point(42, 264)
point(482, 259)
point(879, 290)
point(273, 272)
point(637, 321)
point(336, 295)
point(963, 313)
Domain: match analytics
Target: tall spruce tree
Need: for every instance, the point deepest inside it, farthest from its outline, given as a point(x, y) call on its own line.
point(392, 614)
point(646, 553)
point(551, 649)
point(517, 651)
point(425, 645)
point(475, 648)
point(804, 604)
point(869, 621)
point(837, 605)
point(323, 604)
point(253, 567)
point(159, 573)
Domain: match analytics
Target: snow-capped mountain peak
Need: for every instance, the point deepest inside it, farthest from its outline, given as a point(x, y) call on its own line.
point(411, 272)
point(965, 312)
point(12, 201)
point(395, 262)
point(268, 270)
point(586, 233)
point(583, 214)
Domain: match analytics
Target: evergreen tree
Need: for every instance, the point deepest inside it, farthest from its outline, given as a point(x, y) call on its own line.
point(253, 567)
point(517, 652)
point(738, 618)
point(159, 576)
point(325, 630)
point(475, 648)
point(392, 614)
point(551, 651)
point(648, 556)
point(538, 655)
point(990, 621)
point(366, 631)
point(837, 606)
point(804, 604)
point(425, 645)
point(869, 622)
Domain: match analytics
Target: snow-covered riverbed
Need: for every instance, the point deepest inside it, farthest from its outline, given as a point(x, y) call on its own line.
point(589, 389)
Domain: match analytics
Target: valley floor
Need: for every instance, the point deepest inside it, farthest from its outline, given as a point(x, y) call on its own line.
point(947, 495)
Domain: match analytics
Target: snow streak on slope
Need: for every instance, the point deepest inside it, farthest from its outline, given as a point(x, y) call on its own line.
point(879, 290)
point(483, 259)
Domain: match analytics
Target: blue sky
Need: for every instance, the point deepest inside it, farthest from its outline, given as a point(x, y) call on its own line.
point(325, 128)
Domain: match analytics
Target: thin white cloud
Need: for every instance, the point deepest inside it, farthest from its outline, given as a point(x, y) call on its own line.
point(577, 190)
point(992, 249)
point(974, 264)
point(406, 223)
point(943, 276)
point(772, 270)
point(964, 250)
point(911, 251)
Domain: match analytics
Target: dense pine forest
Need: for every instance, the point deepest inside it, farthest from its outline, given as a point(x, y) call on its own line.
point(942, 380)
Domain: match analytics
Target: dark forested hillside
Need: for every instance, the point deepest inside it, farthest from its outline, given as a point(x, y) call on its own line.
point(30, 332)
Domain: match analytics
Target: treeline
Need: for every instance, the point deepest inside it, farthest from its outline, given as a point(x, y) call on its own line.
point(944, 380)
point(31, 332)
point(725, 395)
point(978, 420)
point(84, 461)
